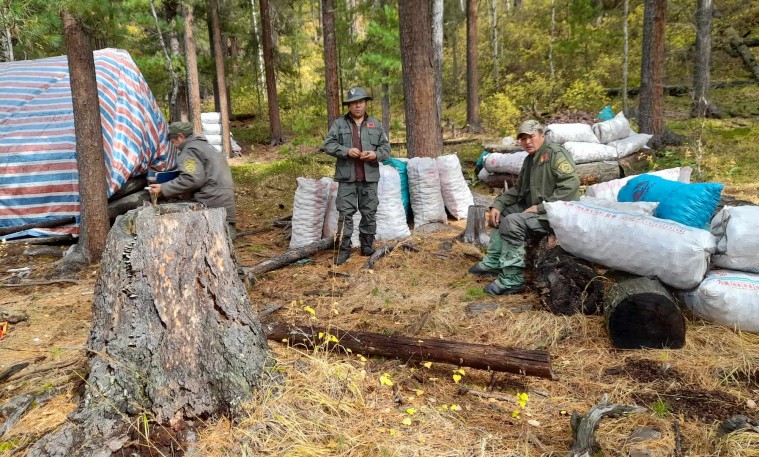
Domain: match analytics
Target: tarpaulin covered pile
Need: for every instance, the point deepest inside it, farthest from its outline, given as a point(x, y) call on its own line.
point(38, 170)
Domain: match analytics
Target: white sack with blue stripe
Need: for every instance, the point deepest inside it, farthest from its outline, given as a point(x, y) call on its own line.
point(727, 297)
point(643, 245)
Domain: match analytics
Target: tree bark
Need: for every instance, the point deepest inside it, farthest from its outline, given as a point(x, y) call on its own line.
point(437, 45)
point(584, 427)
point(564, 283)
point(640, 313)
point(423, 135)
point(221, 77)
point(702, 60)
point(651, 110)
point(275, 125)
point(476, 231)
point(481, 356)
point(550, 42)
point(7, 39)
point(288, 257)
point(472, 73)
point(744, 51)
point(625, 56)
point(173, 94)
point(93, 194)
point(493, 5)
point(191, 62)
point(330, 61)
point(385, 87)
point(173, 335)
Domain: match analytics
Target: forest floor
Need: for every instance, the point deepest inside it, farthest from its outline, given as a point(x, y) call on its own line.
point(332, 404)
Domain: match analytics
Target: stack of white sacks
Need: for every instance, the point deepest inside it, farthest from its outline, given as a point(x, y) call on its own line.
point(604, 141)
point(627, 237)
point(434, 186)
point(211, 124)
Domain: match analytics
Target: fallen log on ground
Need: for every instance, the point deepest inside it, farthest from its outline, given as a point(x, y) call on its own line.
point(290, 256)
point(173, 339)
point(636, 163)
point(481, 356)
point(641, 313)
point(475, 231)
point(387, 249)
point(501, 147)
point(676, 91)
point(42, 240)
point(565, 284)
point(589, 173)
point(584, 427)
point(45, 224)
point(242, 233)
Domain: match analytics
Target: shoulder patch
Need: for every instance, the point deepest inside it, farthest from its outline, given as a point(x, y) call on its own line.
point(565, 167)
point(191, 166)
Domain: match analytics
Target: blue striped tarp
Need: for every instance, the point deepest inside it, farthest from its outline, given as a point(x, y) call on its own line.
point(38, 174)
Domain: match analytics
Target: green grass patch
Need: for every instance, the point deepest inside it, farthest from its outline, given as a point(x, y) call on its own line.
point(474, 294)
point(308, 166)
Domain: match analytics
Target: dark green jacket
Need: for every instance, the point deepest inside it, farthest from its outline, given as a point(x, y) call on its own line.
point(340, 139)
point(204, 173)
point(549, 175)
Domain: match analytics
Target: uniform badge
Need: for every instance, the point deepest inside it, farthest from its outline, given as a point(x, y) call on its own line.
point(191, 166)
point(565, 167)
point(544, 157)
point(370, 125)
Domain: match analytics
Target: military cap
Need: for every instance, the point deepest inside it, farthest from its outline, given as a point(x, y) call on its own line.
point(185, 128)
point(529, 127)
point(356, 94)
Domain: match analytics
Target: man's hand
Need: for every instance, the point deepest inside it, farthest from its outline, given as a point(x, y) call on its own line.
point(493, 217)
point(532, 209)
point(354, 153)
point(368, 156)
point(154, 189)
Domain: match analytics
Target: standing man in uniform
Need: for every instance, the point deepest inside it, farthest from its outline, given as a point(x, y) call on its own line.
point(548, 175)
point(359, 143)
point(203, 172)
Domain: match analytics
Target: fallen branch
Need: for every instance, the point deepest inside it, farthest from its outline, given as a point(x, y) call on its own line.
point(478, 393)
point(43, 240)
point(387, 249)
point(45, 224)
point(43, 283)
point(678, 90)
point(292, 255)
point(254, 231)
point(485, 357)
point(584, 427)
point(13, 369)
point(45, 369)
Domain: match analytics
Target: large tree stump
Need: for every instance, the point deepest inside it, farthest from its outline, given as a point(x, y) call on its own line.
point(475, 231)
point(640, 313)
point(173, 336)
point(565, 284)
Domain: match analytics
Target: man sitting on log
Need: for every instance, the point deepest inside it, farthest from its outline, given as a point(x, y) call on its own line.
point(203, 172)
point(548, 174)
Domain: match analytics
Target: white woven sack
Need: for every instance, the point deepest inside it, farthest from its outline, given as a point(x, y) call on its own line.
point(213, 139)
point(737, 232)
point(424, 191)
point(211, 129)
point(217, 147)
point(355, 241)
point(615, 128)
point(210, 118)
point(483, 174)
point(309, 208)
point(331, 215)
point(391, 217)
point(643, 245)
point(642, 208)
point(456, 194)
point(590, 152)
point(609, 190)
point(630, 145)
point(727, 297)
point(562, 133)
point(510, 162)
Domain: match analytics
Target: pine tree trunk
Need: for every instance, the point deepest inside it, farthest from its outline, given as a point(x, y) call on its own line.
point(173, 335)
point(493, 4)
point(258, 56)
point(5, 36)
point(472, 74)
point(625, 56)
point(455, 62)
point(423, 136)
point(330, 61)
point(651, 111)
point(744, 51)
point(182, 105)
point(386, 106)
point(437, 44)
point(275, 125)
point(191, 61)
point(702, 60)
point(221, 79)
point(93, 193)
point(169, 66)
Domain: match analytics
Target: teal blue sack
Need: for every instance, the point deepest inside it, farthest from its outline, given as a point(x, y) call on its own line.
point(478, 165)
point(401, 166)
point(606, 114)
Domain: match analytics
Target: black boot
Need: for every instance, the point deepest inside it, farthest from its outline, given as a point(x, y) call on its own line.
point(367, 242)
point(344, 251)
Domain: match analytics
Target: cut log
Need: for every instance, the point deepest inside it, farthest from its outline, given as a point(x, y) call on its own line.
point(584, 427)
point(596, 172)
point(292, 255)
point(475, 231)
point(565, 284)
point(500, 180)
point(481, 356)
point(744, 51)
point(173, 336)
point(640, 313)
point(46, 224)
point(501, 147)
